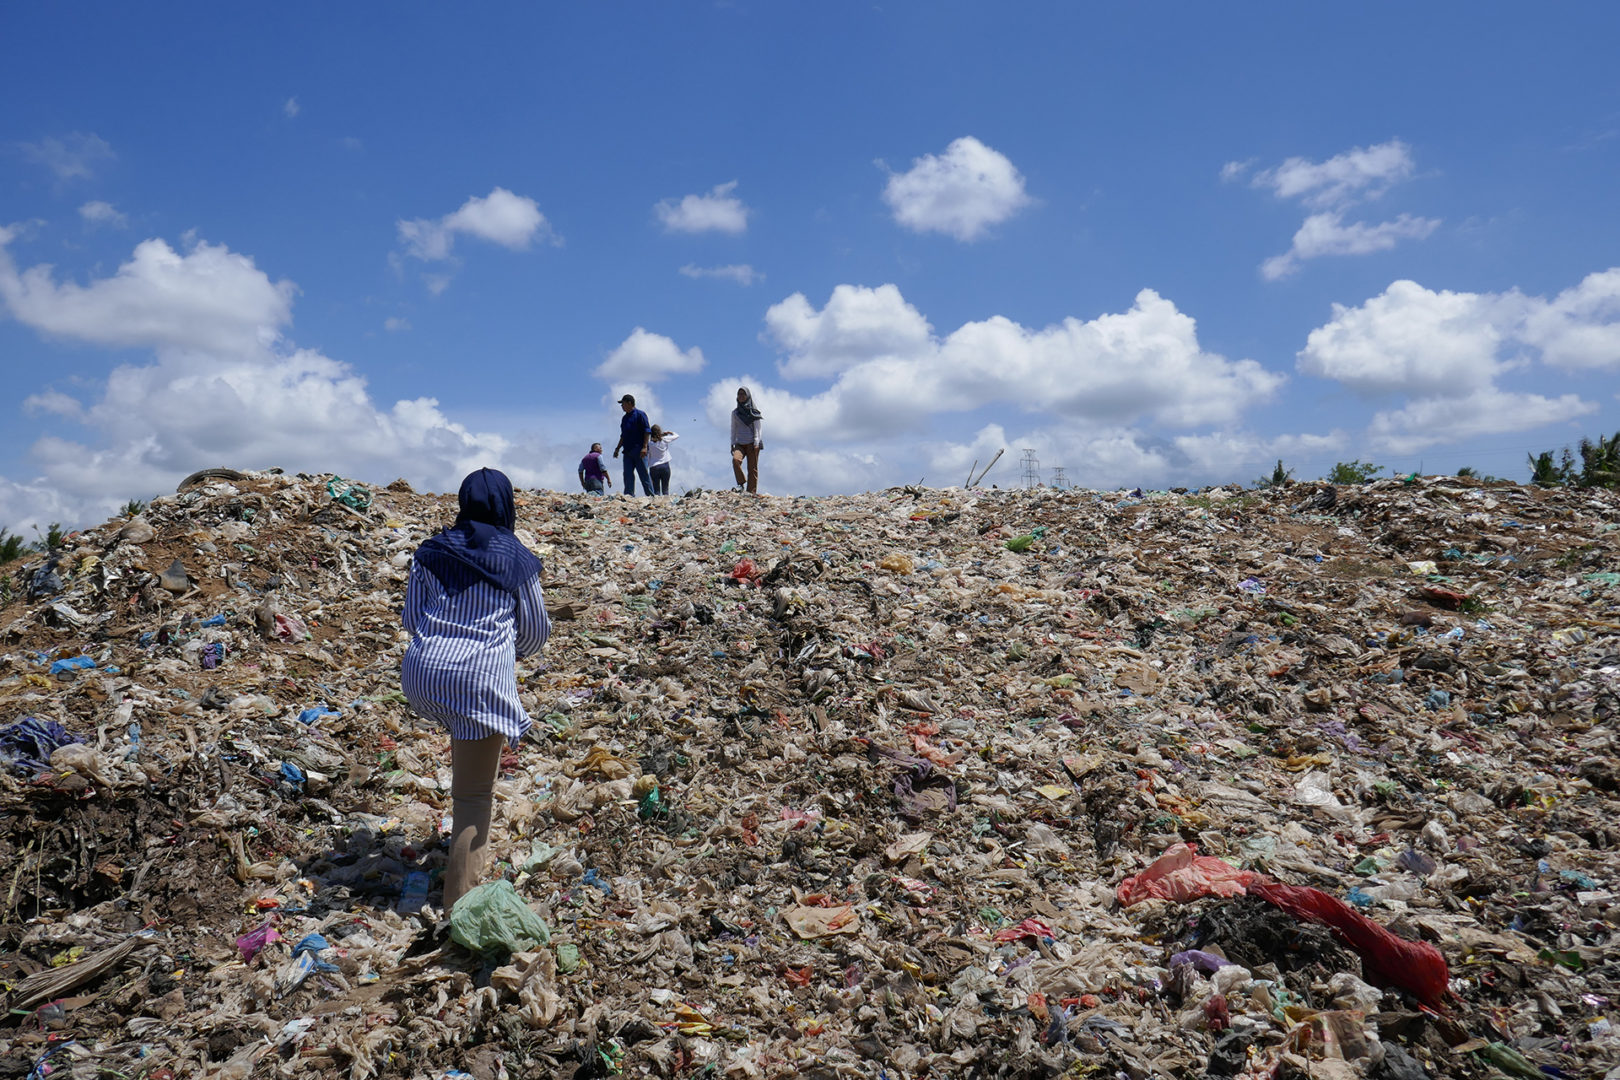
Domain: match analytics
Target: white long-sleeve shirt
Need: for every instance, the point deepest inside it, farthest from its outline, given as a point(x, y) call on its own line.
point(744, 434)
point(658, 449)
point(460, 668)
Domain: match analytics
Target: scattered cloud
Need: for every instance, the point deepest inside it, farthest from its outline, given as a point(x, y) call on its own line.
point(54, 403)
point(741, 273)
point(1331, 187)
point(960, 193)
point(512, 221)
point(1356, 175)
point(352, 144)
point(290, 108)
point(97, 213)
point(647, 357)
point(1445, 352)
point(718, 211)
point(70, 157)
point(1326, 234)
point(395, 324)
point(222, 384)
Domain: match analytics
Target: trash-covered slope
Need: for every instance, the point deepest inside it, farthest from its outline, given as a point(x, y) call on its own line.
point(835, 786)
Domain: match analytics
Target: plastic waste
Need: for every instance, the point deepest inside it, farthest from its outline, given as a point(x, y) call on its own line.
point(491, 919)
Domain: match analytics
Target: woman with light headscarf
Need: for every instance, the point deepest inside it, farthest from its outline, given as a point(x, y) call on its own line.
point(473, 606)
point(745, 440)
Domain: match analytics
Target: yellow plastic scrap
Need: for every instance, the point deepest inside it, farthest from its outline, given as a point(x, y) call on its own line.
point(688, 1021)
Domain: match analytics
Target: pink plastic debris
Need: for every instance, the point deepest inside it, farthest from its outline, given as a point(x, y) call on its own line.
point(1181, 874)
point(255, 940)
point(800, 818)
point(1028, 928)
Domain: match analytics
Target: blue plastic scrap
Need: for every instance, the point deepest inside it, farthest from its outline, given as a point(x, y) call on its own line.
point(213, 620)
point(310, 715)
point(292, 774)
point(314, 945)
point(595, 881)
point(27, 745)
point(76, 662)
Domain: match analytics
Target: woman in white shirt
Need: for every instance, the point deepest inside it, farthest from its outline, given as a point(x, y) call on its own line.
point(658, 458)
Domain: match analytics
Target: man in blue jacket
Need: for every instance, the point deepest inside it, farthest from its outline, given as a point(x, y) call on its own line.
point(634, 432)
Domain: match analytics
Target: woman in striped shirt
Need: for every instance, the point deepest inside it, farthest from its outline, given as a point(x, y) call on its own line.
point(473, 606)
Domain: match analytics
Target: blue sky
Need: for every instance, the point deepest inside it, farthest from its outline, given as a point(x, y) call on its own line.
point(1161, 247)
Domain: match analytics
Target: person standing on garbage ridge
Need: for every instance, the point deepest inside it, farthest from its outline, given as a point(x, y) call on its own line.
point(658, 458)
point(473, 607)
point(591, 473)
point(745, 440)
point(634, 431)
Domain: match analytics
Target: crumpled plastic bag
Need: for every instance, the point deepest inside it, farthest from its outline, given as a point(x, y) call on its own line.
point(602, 762)
point(1182, 875)
point(492, 919)
point(814, 922)
point(27, 745)
point(85, 760)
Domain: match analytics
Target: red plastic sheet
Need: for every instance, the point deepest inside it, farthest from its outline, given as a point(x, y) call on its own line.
point(1387, 959)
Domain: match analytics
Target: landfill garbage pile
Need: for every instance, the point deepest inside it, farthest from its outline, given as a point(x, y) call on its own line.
point(1309, 781)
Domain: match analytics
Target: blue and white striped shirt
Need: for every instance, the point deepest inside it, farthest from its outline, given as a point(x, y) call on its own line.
point(460, 668)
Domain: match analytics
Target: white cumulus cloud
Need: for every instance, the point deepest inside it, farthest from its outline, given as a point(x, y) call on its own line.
point(95, 212)
point(1409, 339)
point(1580, 327)
point(207, 299)
point(893, 374)
point(1445, 352)
point(222, 386)
point(512, 221)
point(395, 324)
point(647, 357)
point(1433, 421)
point(857, 325)
point(961, 193)
point(290, 108)
point(718, 211)
point(741, 273)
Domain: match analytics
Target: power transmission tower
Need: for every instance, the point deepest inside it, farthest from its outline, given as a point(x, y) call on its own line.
point(1032, 468)
point(1058, 479)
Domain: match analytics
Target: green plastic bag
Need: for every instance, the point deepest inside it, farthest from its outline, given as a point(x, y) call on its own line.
point(492, 919)
point(1021, 543)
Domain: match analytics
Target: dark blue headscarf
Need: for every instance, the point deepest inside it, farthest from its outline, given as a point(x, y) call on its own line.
point(480, 546)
